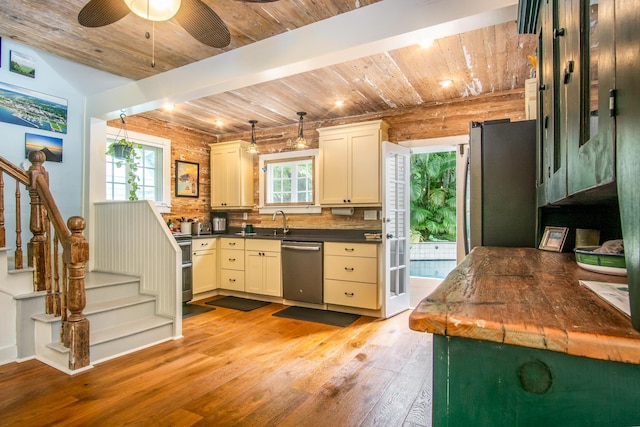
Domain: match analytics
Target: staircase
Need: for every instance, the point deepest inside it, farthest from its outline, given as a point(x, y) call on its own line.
point(122, 319)
point(65, 316)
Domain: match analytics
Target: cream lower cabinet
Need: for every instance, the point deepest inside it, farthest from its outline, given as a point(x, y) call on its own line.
point(350, 163)
point(232, 264)
point(204, 264)
point(351, 275)
point(263, 272)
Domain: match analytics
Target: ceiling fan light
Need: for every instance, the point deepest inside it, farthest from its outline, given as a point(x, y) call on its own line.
point(154, 10)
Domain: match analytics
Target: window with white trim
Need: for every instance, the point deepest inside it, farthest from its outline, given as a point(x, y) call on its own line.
point(154, 171)
point(289, 181)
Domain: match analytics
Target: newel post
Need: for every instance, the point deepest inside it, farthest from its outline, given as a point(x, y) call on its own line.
point(37, 252)
point(76, 330)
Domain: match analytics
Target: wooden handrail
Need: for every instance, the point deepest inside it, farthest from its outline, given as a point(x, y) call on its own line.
point(14, 171)
point(67, 298)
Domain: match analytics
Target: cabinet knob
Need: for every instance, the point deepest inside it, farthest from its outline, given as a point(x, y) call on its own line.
point(559, 32)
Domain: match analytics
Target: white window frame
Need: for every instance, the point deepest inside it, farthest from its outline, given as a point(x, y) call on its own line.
point(290, 209)
point(164, 205)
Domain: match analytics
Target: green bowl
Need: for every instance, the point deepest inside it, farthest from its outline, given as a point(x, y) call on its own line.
point(599, 262)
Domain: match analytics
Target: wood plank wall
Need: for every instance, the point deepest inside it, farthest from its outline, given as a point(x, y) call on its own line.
point(429, 121)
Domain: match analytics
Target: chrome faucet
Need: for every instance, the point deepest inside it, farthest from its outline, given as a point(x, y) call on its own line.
point(285, 230)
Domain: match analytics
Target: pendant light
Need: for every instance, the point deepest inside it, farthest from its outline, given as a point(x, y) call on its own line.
point(301, 142)
point(253, 147)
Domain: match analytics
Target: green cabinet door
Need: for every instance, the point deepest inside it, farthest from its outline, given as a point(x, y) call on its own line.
point(481, 383)
point(591, 153)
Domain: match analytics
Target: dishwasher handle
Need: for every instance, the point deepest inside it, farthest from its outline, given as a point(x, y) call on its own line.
point(302, 248)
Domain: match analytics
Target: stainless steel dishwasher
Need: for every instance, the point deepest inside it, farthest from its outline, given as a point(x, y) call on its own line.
point(302, 271)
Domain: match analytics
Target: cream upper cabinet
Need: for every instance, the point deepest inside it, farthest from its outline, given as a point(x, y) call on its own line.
point(350, 163)
point(231, 176)
point(262, 267)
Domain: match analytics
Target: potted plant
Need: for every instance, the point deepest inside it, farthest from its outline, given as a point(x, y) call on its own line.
point(124, 151)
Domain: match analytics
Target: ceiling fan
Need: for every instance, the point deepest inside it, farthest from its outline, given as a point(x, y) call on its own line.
point(194, 16)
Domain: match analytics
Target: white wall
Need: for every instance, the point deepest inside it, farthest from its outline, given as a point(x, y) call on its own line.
point(64, 79)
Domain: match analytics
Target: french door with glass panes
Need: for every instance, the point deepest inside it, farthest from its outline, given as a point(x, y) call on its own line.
point(396, 227)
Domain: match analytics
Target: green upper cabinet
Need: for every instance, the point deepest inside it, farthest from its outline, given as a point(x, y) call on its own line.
point(591, 155)
point(576, 143)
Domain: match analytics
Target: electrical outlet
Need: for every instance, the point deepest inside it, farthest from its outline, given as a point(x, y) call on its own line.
point(370, 215)
point(245, 216)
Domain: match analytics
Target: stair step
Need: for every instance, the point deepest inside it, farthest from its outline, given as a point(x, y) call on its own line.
point(105, 314)
point(127, 338)
point(101, 286)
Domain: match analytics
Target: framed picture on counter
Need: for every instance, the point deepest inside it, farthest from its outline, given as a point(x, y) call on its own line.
point(187, 179)
point(553, 239)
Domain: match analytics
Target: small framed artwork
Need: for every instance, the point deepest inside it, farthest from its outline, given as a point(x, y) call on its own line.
point(50, 146)
point(187, 179)
point(22, 64)
point(553, 239)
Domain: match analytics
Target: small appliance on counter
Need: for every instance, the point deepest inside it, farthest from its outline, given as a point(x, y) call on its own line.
point(219, 222)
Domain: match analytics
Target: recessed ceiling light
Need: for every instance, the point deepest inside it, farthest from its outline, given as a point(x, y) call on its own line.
point(426, 43)
point(168, 107)
point(219, 123)
point(339, 103)
point(445, 83)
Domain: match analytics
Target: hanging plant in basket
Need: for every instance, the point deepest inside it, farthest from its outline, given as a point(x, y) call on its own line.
point(124, 151)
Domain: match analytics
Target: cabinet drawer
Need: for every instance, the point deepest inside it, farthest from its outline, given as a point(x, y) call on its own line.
point(262, 245)
point(351, 294)
point(353, 269)
point(203, 244)
point(351, 249)
point(232, 279)
point(231, 243)
point(232, 259)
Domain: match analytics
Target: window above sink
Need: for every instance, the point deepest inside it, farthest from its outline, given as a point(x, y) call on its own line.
point(289, 182)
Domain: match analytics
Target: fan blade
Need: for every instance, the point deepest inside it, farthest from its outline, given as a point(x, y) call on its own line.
point(98, 13)
point(203, 23)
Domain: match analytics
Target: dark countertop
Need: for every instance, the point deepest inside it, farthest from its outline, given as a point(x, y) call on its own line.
point(530, 298)
point(302, 235)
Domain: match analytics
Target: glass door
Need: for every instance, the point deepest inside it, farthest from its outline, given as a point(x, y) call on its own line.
point(396, 227)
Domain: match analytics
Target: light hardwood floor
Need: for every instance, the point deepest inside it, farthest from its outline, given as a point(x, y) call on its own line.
point(239, 368)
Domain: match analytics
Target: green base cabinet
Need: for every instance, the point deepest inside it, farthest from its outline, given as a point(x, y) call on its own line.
point(481, 383)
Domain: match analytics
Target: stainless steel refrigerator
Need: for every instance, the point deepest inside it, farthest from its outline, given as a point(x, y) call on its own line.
point(501, 184)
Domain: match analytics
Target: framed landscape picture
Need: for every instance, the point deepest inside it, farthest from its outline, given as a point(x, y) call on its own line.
point(24, 107)
point(50, 146)
point(187, 177)
point(22, 64)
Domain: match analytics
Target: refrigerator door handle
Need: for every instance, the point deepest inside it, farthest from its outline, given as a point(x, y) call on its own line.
point(465, 201)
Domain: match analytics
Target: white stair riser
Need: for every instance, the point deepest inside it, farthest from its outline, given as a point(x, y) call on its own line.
point(108, 350)
point(109, 292)
point(120, 315)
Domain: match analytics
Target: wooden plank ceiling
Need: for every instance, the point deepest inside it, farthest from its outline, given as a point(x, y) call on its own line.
point(478, 62)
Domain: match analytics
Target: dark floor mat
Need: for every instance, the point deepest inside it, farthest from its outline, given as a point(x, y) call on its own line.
point(189, 310)
point(238, 303)
point(318, 316)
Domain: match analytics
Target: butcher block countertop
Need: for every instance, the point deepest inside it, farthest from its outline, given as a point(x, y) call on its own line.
point(530, 298)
